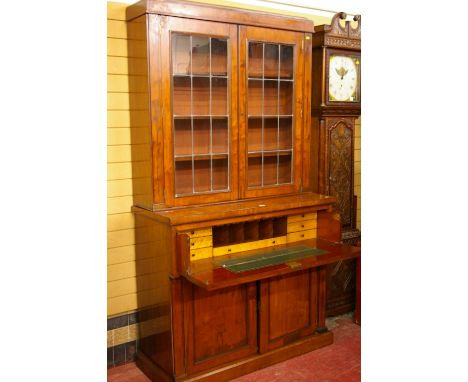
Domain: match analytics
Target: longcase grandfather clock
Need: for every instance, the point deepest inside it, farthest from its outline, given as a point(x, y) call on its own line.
point(336, 104)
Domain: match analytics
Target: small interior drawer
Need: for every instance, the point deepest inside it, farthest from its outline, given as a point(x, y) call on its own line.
point(199, 232)
point(248, 246)
point(201, 253)
point(201, 242)
point(302, 217)
point(302, 235)
point(302, 225)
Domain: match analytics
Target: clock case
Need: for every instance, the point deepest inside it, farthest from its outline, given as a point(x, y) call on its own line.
point(328, 40)
point(333, 125)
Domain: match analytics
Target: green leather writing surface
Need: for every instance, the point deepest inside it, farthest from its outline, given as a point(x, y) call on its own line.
point(267, 259)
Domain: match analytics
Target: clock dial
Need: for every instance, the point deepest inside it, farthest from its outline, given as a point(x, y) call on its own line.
point(343, 79)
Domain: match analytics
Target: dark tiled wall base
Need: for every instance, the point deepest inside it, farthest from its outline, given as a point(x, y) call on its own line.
point(125, 320)
point(125, 352)
point(120, 354)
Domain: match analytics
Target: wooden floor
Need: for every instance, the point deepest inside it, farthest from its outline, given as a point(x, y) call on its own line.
point(340, 362)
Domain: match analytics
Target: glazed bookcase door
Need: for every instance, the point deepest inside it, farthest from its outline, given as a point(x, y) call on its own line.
point(199, 82)
point(271, 86)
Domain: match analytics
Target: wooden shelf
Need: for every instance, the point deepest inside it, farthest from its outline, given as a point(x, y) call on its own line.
point(182, 158)
point(177, 75)
point(255, 154)
point(269, 116)
point(206, 116)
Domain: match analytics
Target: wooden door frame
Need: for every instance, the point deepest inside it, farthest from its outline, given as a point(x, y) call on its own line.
point(248, 33)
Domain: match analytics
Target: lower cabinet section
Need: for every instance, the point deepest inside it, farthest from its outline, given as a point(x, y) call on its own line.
point(233, 323)
point(221, 326)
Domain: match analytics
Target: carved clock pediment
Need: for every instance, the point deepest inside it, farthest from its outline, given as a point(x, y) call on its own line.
point(339, 36)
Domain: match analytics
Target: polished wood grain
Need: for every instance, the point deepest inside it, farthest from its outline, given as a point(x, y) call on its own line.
point(219, 332)
point(328, 226)
point(309, 164)
point(288, 308)
point(193, 10)
point(204, 216)
point(178, 322)
point(156, 98)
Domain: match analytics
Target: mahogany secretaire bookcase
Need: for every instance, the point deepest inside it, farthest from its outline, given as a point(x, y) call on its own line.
point(224, 191)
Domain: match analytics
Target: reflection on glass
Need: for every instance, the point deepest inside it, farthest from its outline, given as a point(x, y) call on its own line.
point(271, 60)
point(180, 54)
point(200, 55)
point(218, 57)
point(286, 61)
point(255, 59)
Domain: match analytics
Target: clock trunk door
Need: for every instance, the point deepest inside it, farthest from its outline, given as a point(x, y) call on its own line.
point(341, 166)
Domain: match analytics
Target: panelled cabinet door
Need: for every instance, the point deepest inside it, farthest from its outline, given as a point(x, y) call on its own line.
point(220, 326)
point(271, 77)
point(288, 308)
point(199, 93)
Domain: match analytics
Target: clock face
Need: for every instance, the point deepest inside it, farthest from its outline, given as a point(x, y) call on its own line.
point(343, 78)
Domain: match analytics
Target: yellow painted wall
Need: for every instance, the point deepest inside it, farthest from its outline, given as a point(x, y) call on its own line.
point(125, 137)
point(124, 293)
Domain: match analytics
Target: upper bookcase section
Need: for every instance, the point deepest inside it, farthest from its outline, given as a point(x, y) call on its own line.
point(208, 12)
point(226, 93)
